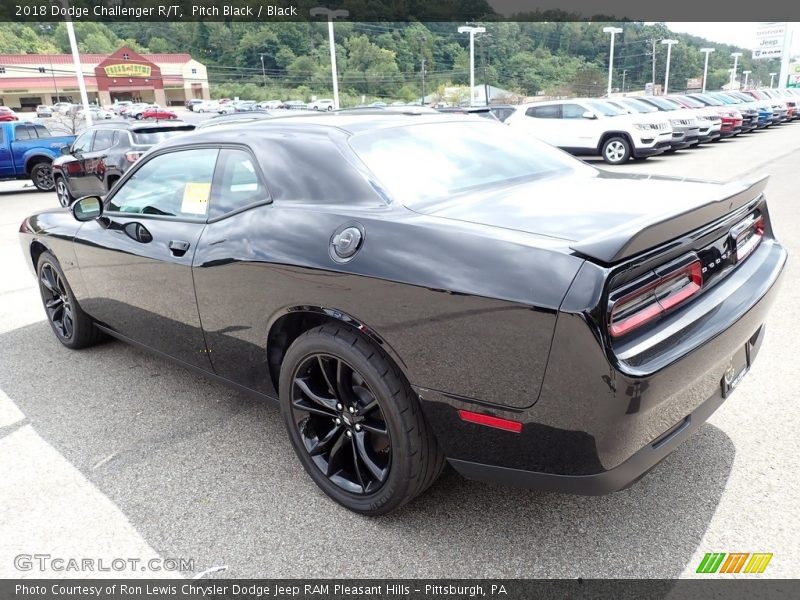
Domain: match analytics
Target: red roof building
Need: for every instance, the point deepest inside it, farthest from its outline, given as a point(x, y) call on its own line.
point(27, 80)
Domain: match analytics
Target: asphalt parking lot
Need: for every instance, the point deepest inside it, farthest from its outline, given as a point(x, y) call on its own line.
point(110, 452)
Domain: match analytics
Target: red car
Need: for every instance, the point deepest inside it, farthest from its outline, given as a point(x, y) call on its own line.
point(158, 113)
point(6, 114)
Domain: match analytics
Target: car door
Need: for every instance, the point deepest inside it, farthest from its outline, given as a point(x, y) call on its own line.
point(93, 162)
point(577, 132)
point(6, 160)
point(74, 168)
point(136, 259)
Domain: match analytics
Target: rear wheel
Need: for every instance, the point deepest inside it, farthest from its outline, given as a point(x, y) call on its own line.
point(72, 326)
point(355, 423)
point(42, 176)
point(65, 199)
point(616, 150)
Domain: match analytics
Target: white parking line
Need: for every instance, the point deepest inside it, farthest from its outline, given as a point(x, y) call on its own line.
point(50, 508)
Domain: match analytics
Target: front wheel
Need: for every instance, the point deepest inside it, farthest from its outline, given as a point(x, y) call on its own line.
point(73, 328)
point(616, 150)
point(42, 176)
point(355, 423)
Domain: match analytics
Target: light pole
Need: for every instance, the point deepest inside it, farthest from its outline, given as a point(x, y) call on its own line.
point(471, 31)
point(772, 79)
point(668, 44)
point(707, 51)
point(422, 42)
point(613, 31)
point(264, 73)
point(735, 56)
point(321, 11)
point(746, 77)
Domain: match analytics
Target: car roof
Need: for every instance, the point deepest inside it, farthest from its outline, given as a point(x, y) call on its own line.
point(349, 123)
point(141, 126)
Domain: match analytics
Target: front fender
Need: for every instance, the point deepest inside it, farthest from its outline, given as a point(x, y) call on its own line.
point(28, 158)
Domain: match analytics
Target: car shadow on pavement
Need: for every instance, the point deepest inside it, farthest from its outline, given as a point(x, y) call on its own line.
point(206, 473)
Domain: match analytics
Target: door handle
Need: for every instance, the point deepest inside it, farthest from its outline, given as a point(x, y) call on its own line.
point(178, 247)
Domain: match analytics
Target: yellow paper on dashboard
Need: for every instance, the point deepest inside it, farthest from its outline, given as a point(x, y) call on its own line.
point(195, 198)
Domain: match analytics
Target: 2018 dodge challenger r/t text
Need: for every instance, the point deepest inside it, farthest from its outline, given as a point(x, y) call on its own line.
point(416, 289)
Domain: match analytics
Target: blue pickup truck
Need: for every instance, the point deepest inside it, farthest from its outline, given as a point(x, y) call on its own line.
point(27, 151)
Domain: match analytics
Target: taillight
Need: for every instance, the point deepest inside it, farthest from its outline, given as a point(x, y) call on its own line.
point(747, 235)
point(133, 156)
point(649, 298)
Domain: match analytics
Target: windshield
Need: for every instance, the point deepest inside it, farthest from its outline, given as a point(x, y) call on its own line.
point(605, 109)
point(663, 103)
point(726, 99)
point(429, 161)
point(639, 106)
point(695, 103)
point(151, 137)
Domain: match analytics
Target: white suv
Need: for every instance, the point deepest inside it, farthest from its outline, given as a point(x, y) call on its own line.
point(322, 104)
point(594, 127)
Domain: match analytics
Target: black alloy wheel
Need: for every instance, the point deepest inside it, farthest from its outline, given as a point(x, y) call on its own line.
point(354, 421)
point(42, 176)
point(56, 302)
point(341, 424)
point(73, 328)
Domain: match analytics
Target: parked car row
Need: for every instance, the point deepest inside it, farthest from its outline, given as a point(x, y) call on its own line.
point(637, 127)
point(227, 106)
point(143, 110)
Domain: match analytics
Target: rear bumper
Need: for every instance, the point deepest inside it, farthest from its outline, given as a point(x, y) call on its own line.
point(606, 482)
point(597, 428)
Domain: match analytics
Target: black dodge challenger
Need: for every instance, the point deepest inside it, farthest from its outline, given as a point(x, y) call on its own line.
point(416, 289)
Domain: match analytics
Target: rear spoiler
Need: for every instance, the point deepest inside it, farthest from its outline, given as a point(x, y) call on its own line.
point(636, 236)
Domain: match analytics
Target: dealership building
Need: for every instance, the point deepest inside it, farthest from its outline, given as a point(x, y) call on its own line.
point(27, 80)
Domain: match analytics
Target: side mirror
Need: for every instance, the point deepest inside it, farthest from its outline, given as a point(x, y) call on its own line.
point(66, 150)
point(589, 115)
point(87, 208)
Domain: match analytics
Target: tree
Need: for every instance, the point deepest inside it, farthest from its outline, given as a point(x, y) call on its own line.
point(158, 45)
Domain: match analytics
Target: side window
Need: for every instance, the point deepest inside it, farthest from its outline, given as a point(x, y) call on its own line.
point(551, 111)
point(83, 143)
point(176, 184)
point(572, 111)
point(22, 132)
point(236, 183)
point(103, 139)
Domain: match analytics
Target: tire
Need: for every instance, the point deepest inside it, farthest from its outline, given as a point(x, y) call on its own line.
point(65, 199)
point(376, 457)
point(42, 176)
point(616, 150)
point(72, 327)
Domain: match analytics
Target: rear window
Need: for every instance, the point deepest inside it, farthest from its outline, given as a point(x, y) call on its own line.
point(42, 131)
point(155, 135)
point(424, 162)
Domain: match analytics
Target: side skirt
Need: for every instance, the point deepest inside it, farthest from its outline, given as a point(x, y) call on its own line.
point(189, 367)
